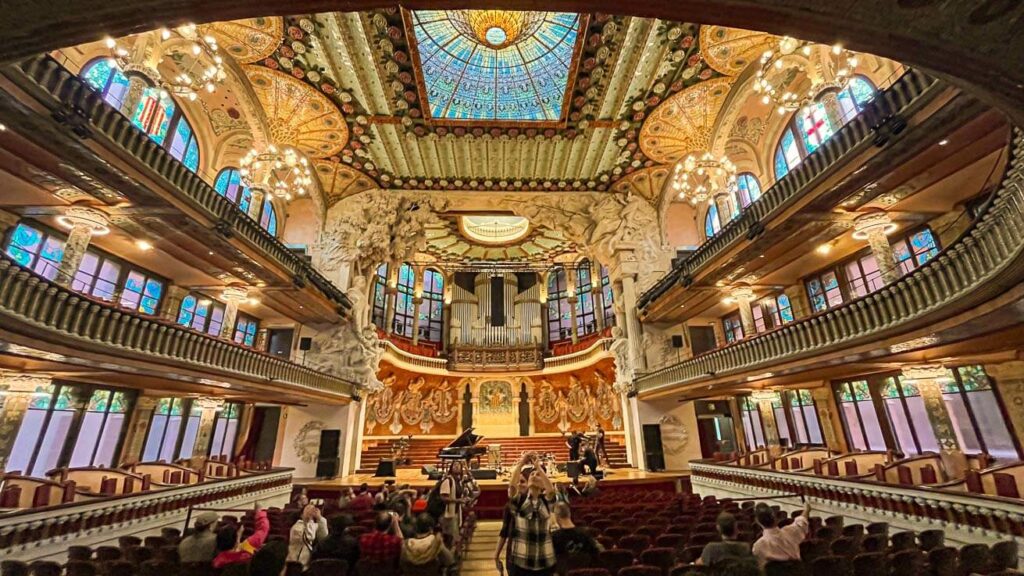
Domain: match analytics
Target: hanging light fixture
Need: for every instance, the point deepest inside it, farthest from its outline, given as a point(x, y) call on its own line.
point(278, 170)
point(699, 177)
point(195, 59)
point(842, 64)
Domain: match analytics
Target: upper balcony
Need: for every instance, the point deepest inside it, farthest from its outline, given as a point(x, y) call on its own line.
point(970, 289)
point(849, 171)
point(65, 139)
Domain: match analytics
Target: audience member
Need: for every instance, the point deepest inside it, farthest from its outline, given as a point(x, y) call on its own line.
point(525, 527)
point(301, 499)
point(339, 544)
point(345, 498)
point(231, 549)
point(384, 544)
point(271, 560)
point(729, 548)
point(363, 499)
point(776, 543)
point(425, 547)
point(451, 495)
point(567, 538)
point(201, 545)
point(308, 530)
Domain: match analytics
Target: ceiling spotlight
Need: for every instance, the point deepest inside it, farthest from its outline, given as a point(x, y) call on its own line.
point(824, 249)
point(253, 301)
point(143, 245)
point(943, 142)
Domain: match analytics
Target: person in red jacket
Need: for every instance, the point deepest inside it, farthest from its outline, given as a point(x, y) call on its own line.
point(230, 546)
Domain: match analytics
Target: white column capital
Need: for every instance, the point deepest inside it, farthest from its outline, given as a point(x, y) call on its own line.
point(920, 372)
point(873, 223)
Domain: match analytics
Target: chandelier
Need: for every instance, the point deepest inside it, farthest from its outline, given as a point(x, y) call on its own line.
point(496, 29)
point(196, 57)
point(281, 171)
point(770, 84)
point(698, 178)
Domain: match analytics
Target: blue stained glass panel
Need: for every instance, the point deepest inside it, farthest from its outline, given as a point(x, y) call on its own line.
point(268, 220)
point(924, 246)
point(522, 78)
point(785, 308)
point(187, 311)
point(711, 222)
point(191, 160)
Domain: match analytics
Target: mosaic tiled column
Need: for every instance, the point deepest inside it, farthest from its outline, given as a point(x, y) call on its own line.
point(1009, 383)
point(633, 330)
point(798, 300)
point(390, 296)
point(597, 294)
point(828, 418)
point(875, 227)
point(138, 426)
point(209, 408)
point(416, 319)
point(724, 203)
point(82, 223)
point(256, 203)
point(573, 318)
point(744, 296)
point(928, 379)
point(18, 392)
point(771, 430)
point(542, 292)
point(232, 297)
point(830, 101)
point(171, 304)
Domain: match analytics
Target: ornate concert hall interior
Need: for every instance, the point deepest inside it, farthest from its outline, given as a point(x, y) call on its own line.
point(690, 256)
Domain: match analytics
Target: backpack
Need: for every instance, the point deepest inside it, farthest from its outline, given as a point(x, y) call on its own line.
point(435, 505)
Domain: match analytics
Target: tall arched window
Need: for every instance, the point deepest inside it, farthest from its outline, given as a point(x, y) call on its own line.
point(156, 114)
point(229, 185)
point(404, 306)
point(559, 309)
point(586, 321)
point(380, 296)
point(431, 309)
point(815, 127)
point(608, 298)
point(712, 225)
point(748, 189)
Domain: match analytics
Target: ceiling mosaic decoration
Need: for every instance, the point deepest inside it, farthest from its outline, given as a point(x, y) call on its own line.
point(297, 114)
point(447, 243)
point(338, 181)
point(685, 122)
point(248, 40)
point(647, 183)
point(731, 50)
point(493, 230)
point(495, 65)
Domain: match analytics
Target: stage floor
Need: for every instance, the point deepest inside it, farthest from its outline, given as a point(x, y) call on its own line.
point(416, 479)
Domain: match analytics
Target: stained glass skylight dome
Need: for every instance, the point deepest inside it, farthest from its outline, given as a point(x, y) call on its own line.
point(495, 65)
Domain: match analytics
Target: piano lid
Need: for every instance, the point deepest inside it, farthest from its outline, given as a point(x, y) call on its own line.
point(464, 440)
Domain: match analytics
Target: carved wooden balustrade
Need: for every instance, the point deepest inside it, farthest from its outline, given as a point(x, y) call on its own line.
point(26, 533)
point(35, 307)
point(495, 359)
point(980, 265)
point(71, 96)
point(858, 133)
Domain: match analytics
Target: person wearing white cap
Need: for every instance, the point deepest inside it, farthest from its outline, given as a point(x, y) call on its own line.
point(201, 545)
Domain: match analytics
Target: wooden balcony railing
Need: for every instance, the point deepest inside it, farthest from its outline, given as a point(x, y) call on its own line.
point(36, 307)
point(980, 265)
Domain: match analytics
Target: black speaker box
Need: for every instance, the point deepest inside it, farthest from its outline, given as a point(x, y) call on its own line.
point(485, 473)
point(305, 344)
point(385, 468)
point(327, 468)
point(677, 341)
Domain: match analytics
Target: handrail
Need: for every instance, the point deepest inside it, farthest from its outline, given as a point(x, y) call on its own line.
point(29, 300)
point(855, 134)
point(70, 92)
point(977, 267)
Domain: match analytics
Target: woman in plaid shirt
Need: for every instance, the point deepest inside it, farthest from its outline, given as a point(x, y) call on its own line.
point(524, 529)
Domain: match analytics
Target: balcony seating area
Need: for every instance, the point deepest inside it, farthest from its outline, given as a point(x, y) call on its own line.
point(423, 451)
point(662, 535)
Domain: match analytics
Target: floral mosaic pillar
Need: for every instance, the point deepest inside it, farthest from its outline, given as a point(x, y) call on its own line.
point(874, 227)
point(1009, 382)
point(171, 305)
point(138, 425)
point(209, 407)
point(828, 417)
point(797, 295)
point(232, 297)
point(928, 379)
point(18, 393)
point(83, 223)
point(771, 430)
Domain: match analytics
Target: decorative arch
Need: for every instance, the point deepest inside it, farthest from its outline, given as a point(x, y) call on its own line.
point(731, 50)
point(684, 123)
point(248, 40)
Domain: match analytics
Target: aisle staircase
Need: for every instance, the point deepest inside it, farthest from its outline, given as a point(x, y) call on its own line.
point(423, 452)
point(478, 559)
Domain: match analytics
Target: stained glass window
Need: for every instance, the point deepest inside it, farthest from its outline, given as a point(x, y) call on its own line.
point(823, 291)
point(772, 312)
point(753, 428)
point(863, 276)
point(156, 114)
point(36, 250)
point(404, 305)
point(586, 322)
point(202, 314)
point(559, 309)
point(97, 275)
point(380, 295)
point(432, 307)
point(495, 64)
point(860, 421)
point(908, 417)
point(225, 430)
point(815, 127)
point(977, 414)
point(268, 219)
point(804, 417)
point(141, 292)
point(608, 298)
point(787, 155)
point(733, 327)
point(229, 185)
point(712, 224)
point(852, 100)
point(748, 189)
point(101, 429)
point(914, 250)
point(45, 429)
point(165, 427)
point(245, 330)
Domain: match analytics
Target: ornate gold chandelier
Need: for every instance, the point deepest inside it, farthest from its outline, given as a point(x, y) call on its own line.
point(698, 178)
point(281, 171)
point(496, 29)
point(770, 77)
point(196, 60)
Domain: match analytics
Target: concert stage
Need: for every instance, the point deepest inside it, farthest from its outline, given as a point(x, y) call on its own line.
point(493, 492)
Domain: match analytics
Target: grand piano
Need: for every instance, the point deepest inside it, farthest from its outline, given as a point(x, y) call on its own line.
point(463, 448)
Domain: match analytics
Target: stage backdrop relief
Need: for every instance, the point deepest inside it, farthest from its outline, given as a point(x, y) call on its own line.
point(577, 400)
point(412, 403)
